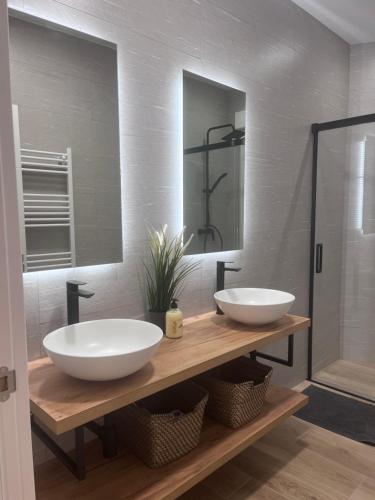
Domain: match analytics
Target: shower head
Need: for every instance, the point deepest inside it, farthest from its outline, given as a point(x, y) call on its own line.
point(235, 134)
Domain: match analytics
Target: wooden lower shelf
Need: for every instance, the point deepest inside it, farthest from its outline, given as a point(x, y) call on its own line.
point(127, 478)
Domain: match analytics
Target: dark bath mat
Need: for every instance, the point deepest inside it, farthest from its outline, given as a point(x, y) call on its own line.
point(340, 414)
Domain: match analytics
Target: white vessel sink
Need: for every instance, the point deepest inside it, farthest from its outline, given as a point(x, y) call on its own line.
point(106, 349)
point(254, 306)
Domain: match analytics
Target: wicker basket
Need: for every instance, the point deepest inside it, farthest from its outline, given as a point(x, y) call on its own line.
point(236, 391)
point(166, 425)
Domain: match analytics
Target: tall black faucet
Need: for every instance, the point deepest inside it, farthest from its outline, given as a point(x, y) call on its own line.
point(220, 274)
point(73, 293)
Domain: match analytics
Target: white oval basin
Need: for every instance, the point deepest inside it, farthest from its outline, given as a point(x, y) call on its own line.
point(104, 349)
point(254, 306)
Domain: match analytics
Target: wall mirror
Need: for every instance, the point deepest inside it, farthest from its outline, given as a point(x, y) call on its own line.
point(65, 118)
point(214, 118)
point(367, 159)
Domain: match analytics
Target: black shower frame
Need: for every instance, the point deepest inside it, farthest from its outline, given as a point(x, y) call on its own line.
point(315, 129)
point(215, 145)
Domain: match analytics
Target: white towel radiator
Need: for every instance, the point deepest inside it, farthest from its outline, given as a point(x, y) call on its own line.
point(45, 202)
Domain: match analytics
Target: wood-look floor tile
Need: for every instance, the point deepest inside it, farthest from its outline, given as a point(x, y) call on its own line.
point(335, 478)
point(352, 377)
point(366, 491)
point(347, 452)
point(255, 490)
point(286, 477)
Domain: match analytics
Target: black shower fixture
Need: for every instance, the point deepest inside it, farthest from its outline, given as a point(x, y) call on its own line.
point(234, 135)
point(216, 183)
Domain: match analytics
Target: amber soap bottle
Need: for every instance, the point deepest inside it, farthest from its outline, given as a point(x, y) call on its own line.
point(173, 321)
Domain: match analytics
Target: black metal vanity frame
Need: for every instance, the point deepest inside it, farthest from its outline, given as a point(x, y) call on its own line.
point(286, 362)
point(77, 465)
point(107, 431)
point(316, 250)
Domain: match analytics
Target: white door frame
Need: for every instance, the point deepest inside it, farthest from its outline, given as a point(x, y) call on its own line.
point(16, 468)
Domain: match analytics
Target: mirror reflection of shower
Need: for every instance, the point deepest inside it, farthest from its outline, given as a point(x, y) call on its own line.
point(213, 169)
point(209, 230)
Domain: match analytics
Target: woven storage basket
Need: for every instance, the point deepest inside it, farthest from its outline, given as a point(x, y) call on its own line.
point(236, 391)
point(166, 425)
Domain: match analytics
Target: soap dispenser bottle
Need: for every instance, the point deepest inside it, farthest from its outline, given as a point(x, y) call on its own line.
point(173, 321)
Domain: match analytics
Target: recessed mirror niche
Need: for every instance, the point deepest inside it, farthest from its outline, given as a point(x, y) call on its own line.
point(65, 118)
point(214, 118)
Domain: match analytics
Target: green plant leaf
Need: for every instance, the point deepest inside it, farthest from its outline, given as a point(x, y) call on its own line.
point(165, 269)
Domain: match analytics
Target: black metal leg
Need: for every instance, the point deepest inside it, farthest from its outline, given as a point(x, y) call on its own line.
point(107, 434)
point(80, 452)
point(77, 467)
point(109, 437)
point(286, 362)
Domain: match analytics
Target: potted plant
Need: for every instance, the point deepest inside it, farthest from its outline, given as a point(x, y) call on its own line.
point(166, 272)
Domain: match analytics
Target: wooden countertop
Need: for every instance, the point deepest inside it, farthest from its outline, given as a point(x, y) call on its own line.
point(63, 403)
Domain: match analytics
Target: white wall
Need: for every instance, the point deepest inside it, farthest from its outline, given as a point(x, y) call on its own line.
point(294, 72)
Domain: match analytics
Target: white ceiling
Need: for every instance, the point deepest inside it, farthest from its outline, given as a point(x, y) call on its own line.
point(352, 20)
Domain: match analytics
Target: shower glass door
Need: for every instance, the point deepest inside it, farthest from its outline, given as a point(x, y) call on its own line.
point(342, 347)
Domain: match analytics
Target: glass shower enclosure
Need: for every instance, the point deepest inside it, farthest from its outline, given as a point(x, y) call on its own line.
point(342, 265)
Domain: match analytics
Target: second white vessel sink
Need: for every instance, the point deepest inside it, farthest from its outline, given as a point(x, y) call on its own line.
point(105, 349)
point(254, 306)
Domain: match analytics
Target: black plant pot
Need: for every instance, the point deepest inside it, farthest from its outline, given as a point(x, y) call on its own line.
point(158, 319)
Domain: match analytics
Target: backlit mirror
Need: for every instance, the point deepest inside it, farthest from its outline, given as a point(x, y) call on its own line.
point(214, 118)
point(366, 159)
point(65, 118)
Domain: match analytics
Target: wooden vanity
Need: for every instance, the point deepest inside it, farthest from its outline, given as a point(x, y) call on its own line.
point(62, 403)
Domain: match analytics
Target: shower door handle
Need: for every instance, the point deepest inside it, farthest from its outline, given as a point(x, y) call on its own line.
point(319, 258)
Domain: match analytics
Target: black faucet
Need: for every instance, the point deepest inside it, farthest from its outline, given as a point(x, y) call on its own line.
point(220, 273)
point(73, 293)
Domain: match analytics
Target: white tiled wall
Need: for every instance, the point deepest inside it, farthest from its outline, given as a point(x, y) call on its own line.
point(294, 71)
